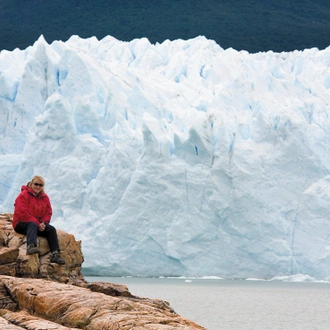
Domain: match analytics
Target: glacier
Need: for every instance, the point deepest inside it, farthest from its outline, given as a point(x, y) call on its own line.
point(174, 159)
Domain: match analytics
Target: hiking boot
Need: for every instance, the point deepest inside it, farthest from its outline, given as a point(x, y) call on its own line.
point(57, 259)
point(32, 249)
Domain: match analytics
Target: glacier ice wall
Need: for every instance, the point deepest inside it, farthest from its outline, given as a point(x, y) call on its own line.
point(179, 158)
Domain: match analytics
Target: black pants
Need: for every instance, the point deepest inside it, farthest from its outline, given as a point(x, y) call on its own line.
point(30, 229)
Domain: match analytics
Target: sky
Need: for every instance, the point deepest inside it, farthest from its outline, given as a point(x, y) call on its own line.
point(243, 25)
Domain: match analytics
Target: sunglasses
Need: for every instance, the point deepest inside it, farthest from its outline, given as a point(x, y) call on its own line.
point(38, 184)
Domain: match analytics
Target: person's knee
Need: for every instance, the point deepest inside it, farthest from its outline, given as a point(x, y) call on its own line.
point(50, 228)
point(32, 225)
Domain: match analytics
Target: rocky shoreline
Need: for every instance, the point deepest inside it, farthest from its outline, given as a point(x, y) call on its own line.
point(36, 294)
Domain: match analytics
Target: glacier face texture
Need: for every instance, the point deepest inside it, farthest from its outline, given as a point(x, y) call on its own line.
point(174, 159)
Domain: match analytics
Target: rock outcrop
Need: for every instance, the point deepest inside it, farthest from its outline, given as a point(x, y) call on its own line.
point(15, 262)
point(36, 294)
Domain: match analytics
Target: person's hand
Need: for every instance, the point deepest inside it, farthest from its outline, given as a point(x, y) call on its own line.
point(42, 226)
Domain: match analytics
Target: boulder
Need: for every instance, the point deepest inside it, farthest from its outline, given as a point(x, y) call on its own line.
point(36, 294)
point(15, 262)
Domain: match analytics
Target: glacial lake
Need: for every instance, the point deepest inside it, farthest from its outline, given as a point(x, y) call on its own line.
point(220, 304)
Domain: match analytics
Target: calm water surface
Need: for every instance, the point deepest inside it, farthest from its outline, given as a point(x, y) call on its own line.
point(244, 305)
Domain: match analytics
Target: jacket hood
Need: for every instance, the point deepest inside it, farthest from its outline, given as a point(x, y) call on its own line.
point(25, 187)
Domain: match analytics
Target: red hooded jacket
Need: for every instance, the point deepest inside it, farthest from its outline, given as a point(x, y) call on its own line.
point(32, 208)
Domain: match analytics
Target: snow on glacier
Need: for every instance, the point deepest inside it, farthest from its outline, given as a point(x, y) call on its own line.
point(174, 159)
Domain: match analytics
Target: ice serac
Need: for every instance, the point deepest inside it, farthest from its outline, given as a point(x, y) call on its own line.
point(179, 158)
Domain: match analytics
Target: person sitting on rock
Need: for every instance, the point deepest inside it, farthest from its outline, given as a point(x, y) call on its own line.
point(32, 215)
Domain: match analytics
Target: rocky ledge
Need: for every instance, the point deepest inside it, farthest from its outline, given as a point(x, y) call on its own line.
point(36, 294)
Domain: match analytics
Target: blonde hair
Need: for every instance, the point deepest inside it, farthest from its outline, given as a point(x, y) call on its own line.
point(39, 178)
